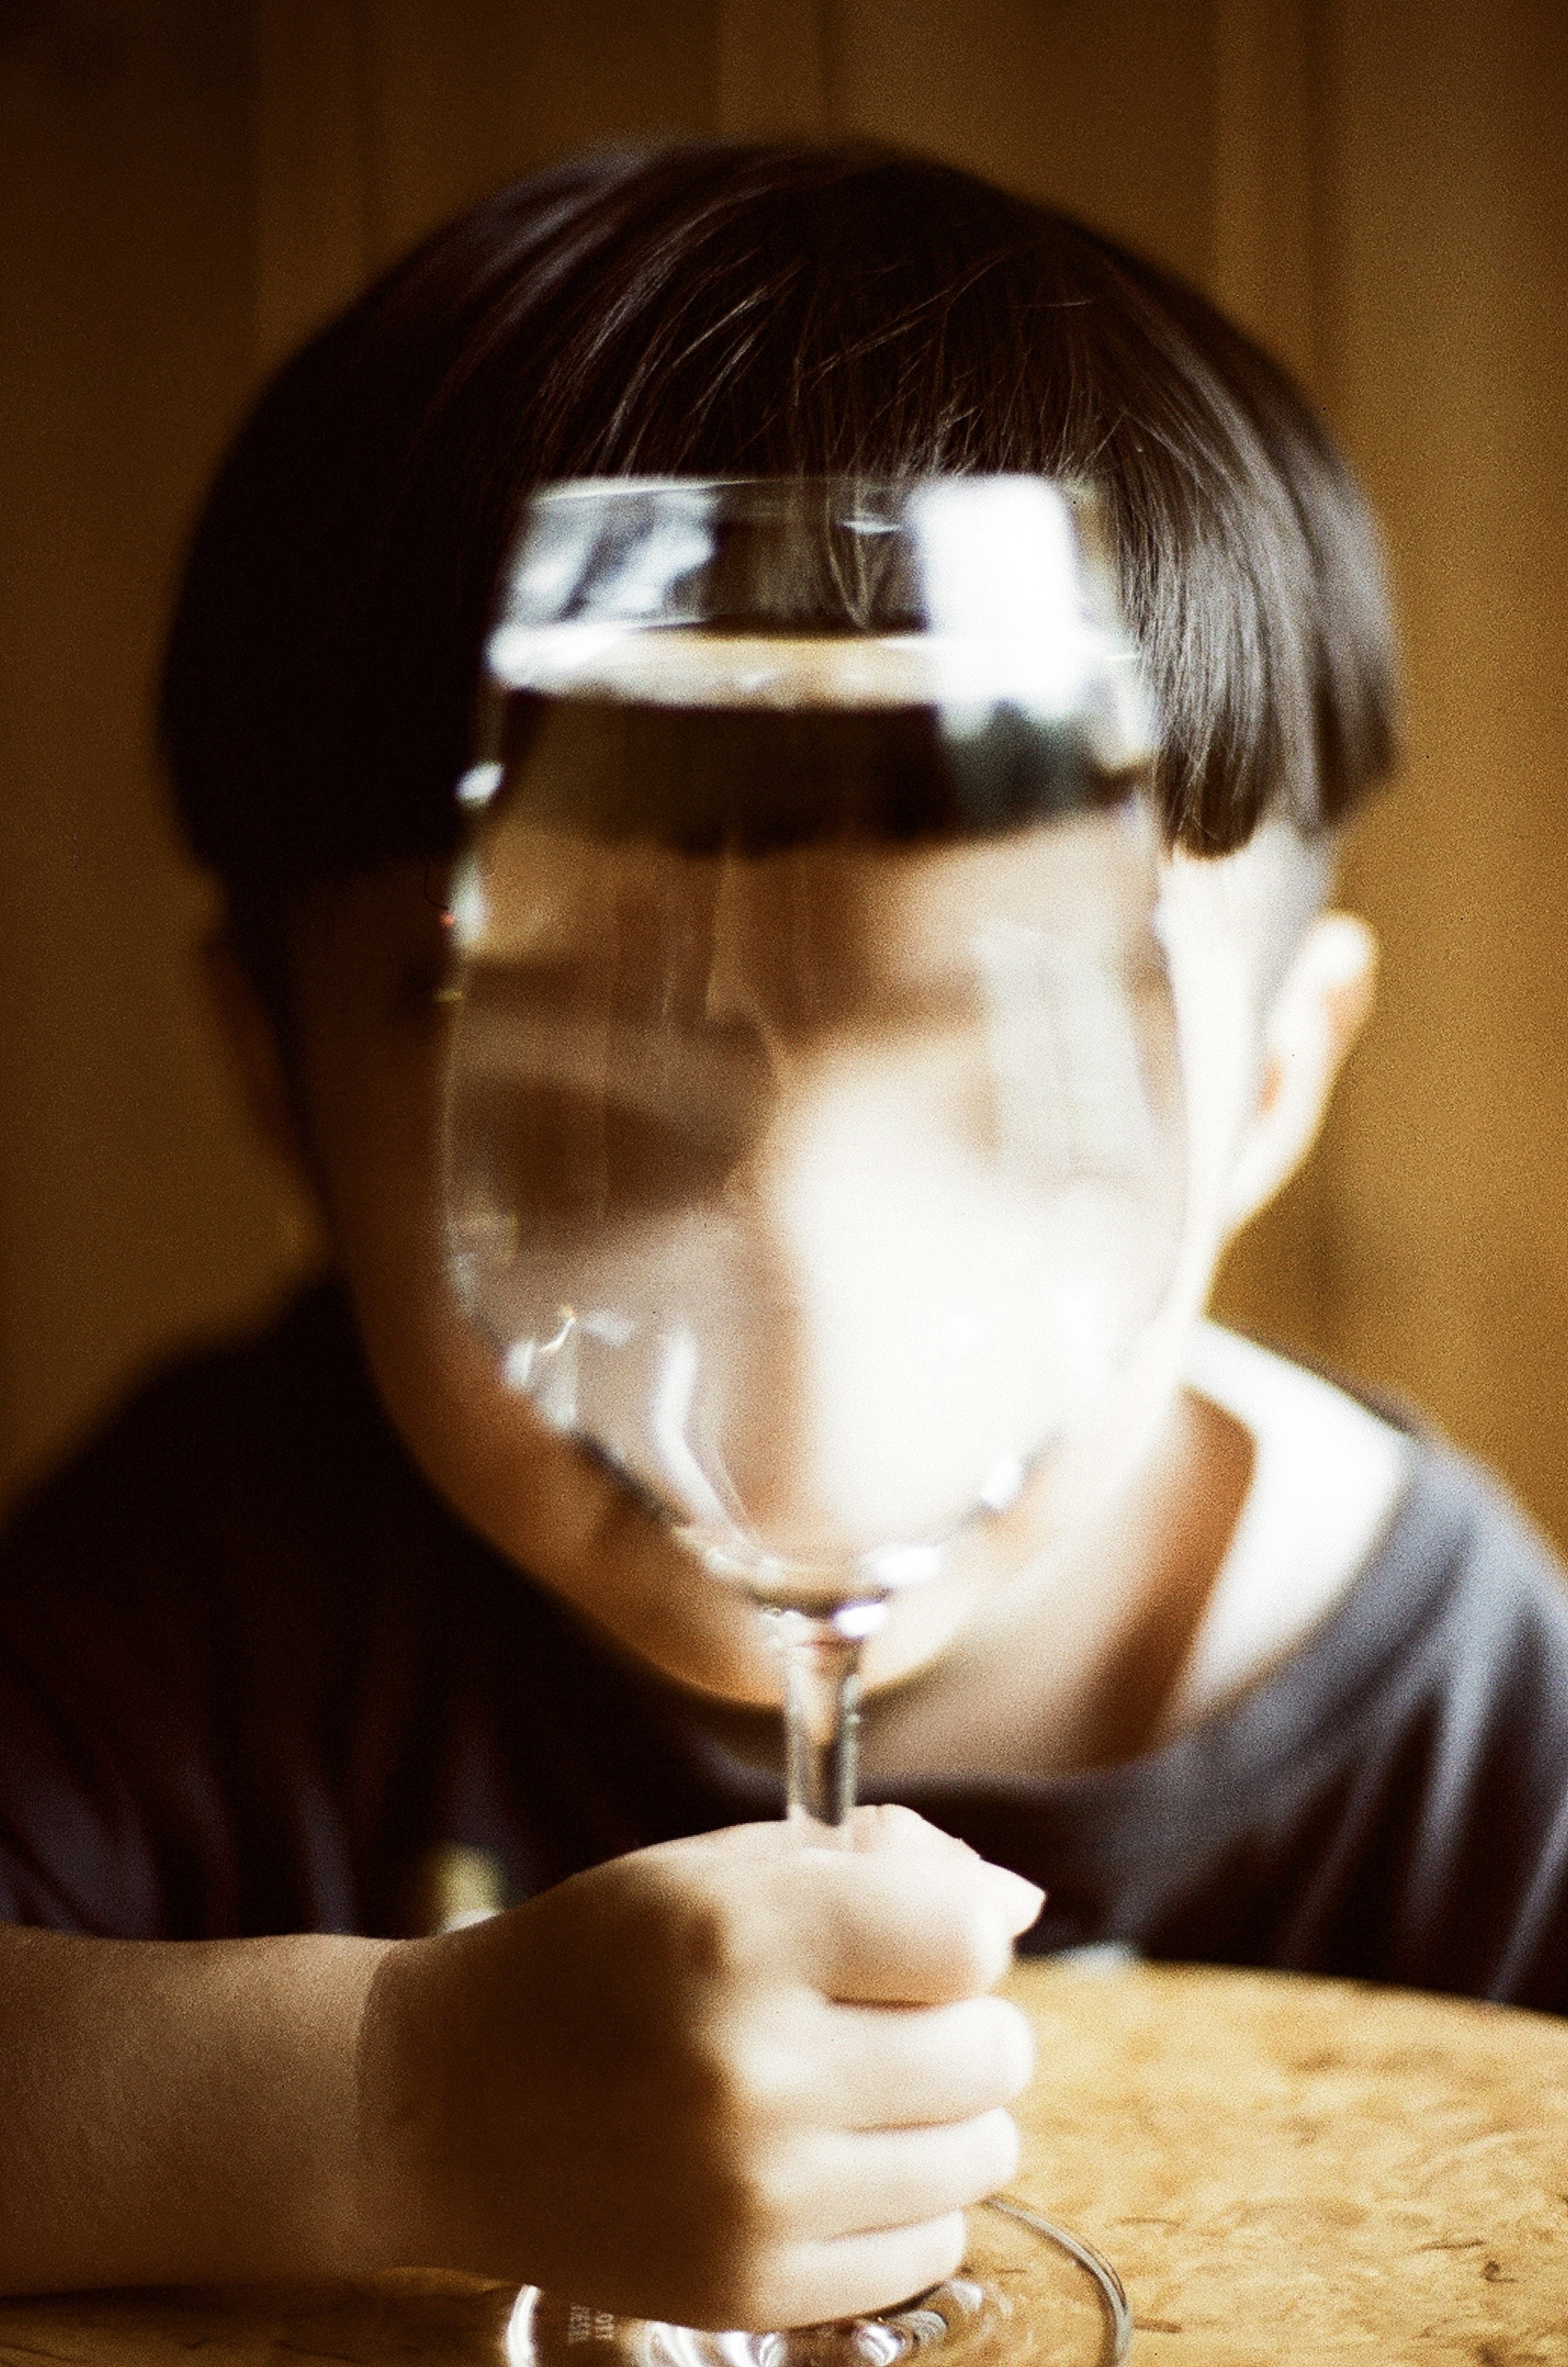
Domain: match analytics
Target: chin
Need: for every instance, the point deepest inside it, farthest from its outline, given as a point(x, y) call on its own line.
point(680, 1624)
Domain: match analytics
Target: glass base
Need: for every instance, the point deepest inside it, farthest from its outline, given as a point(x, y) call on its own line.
point(1029, 2294)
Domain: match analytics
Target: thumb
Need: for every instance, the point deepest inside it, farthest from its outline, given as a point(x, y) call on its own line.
point(886, 1827)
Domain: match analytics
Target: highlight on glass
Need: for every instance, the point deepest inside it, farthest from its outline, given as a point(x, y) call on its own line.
point(815, 1124)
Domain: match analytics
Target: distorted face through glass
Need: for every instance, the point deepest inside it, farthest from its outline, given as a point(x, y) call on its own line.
point(822, 1191)
point(807, 1157)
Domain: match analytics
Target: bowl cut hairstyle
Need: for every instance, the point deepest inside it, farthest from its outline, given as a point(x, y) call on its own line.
point(747, 309)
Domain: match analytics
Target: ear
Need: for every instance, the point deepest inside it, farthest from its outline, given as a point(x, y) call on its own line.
point(1317, 1012)
point(250, 1038)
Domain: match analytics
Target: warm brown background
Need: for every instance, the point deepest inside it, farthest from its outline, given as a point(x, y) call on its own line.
point(1378, 188)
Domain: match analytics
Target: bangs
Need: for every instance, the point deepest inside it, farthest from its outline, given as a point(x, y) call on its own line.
point(754, 311)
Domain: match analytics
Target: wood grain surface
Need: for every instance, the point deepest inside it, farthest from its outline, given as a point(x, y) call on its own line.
point(1282, 2170)
point(1306, 2170)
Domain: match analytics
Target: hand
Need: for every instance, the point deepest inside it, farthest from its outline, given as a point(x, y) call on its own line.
point(729, 2081)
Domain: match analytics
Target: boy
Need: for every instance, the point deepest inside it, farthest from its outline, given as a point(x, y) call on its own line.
point(316, 1607)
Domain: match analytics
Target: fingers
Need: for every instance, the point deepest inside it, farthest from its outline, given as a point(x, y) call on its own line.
point(873, 1830)
point(852, 2181)
point(892, 1828)
point(765, 2080)
point(854, 2222)
point(906, 1916)
point(886, 2069)
point(887, 1826)
point(845, 2221)
point(845, 2277)
point(902, 1929)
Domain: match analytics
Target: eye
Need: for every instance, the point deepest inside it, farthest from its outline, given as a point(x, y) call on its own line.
point(569, 1155)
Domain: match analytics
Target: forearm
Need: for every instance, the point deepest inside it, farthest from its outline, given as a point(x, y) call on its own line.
point(181, 2111)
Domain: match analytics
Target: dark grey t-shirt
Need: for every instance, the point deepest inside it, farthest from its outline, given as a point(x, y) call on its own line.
point(252, 1672)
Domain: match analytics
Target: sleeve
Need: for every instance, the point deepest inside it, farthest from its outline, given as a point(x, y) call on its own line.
point(74, 1855)
point(1462, 1794)
point(108, 1784)
point(1508, 1872)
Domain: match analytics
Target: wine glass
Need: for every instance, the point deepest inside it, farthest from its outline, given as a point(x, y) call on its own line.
point(814, 1132)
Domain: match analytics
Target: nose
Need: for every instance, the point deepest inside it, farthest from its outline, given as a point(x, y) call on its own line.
point(868, 1385)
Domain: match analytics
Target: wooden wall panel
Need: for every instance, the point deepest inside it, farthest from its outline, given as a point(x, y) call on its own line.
point(1449, 377)
point(310, 167)
point(378, 118)
point(1267, 176)
point(1270, 180)
point(1378, 191)
point(132, 1208)
point(461, 99)
point(774, 68)
point(1102, 106)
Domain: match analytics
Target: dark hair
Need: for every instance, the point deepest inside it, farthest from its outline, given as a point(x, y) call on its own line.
point(748, 309)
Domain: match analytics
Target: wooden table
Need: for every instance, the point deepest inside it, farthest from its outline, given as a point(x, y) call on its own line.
point(1282, 2170)
point(1285, 2169)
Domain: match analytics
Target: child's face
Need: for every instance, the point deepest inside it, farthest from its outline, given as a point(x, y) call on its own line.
point(373, 1037)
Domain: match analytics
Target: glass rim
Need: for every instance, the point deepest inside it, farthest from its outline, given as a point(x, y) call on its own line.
point(1073, 483)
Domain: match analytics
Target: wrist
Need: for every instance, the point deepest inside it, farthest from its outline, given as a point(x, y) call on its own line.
point(399, 2185)
point(309, 2011)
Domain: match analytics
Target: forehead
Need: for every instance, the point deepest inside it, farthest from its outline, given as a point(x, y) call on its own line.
point(375, 948)
point(841, 910)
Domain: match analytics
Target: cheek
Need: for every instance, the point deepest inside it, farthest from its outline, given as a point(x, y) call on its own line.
point(378, 1136)
point(378, 1146)
point(434, 1377)
point(1214, 987)
point(511, 1479)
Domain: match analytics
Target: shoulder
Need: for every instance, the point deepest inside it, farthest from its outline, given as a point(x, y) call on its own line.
point(1480, 1596)
point(1441, 1591)
point(193, 1447)
point(169, 1598)
point(1395, 1774)
point(1328, 1475)
point(1355, 1498)
point(1444, 1676)
point(199, 1444)
point(249, 1492)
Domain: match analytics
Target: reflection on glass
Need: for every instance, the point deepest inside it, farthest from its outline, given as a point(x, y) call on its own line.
point(824, 1189)
point(815, 1127)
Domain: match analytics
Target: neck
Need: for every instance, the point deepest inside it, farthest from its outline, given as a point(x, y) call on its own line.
point(1070, 1666)
point(1069, 1663)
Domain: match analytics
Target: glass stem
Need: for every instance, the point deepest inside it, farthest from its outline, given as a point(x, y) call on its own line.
point(821, 1701)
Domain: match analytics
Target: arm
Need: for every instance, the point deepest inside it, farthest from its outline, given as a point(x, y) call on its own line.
point(725, 2080)
point(176, 2112)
